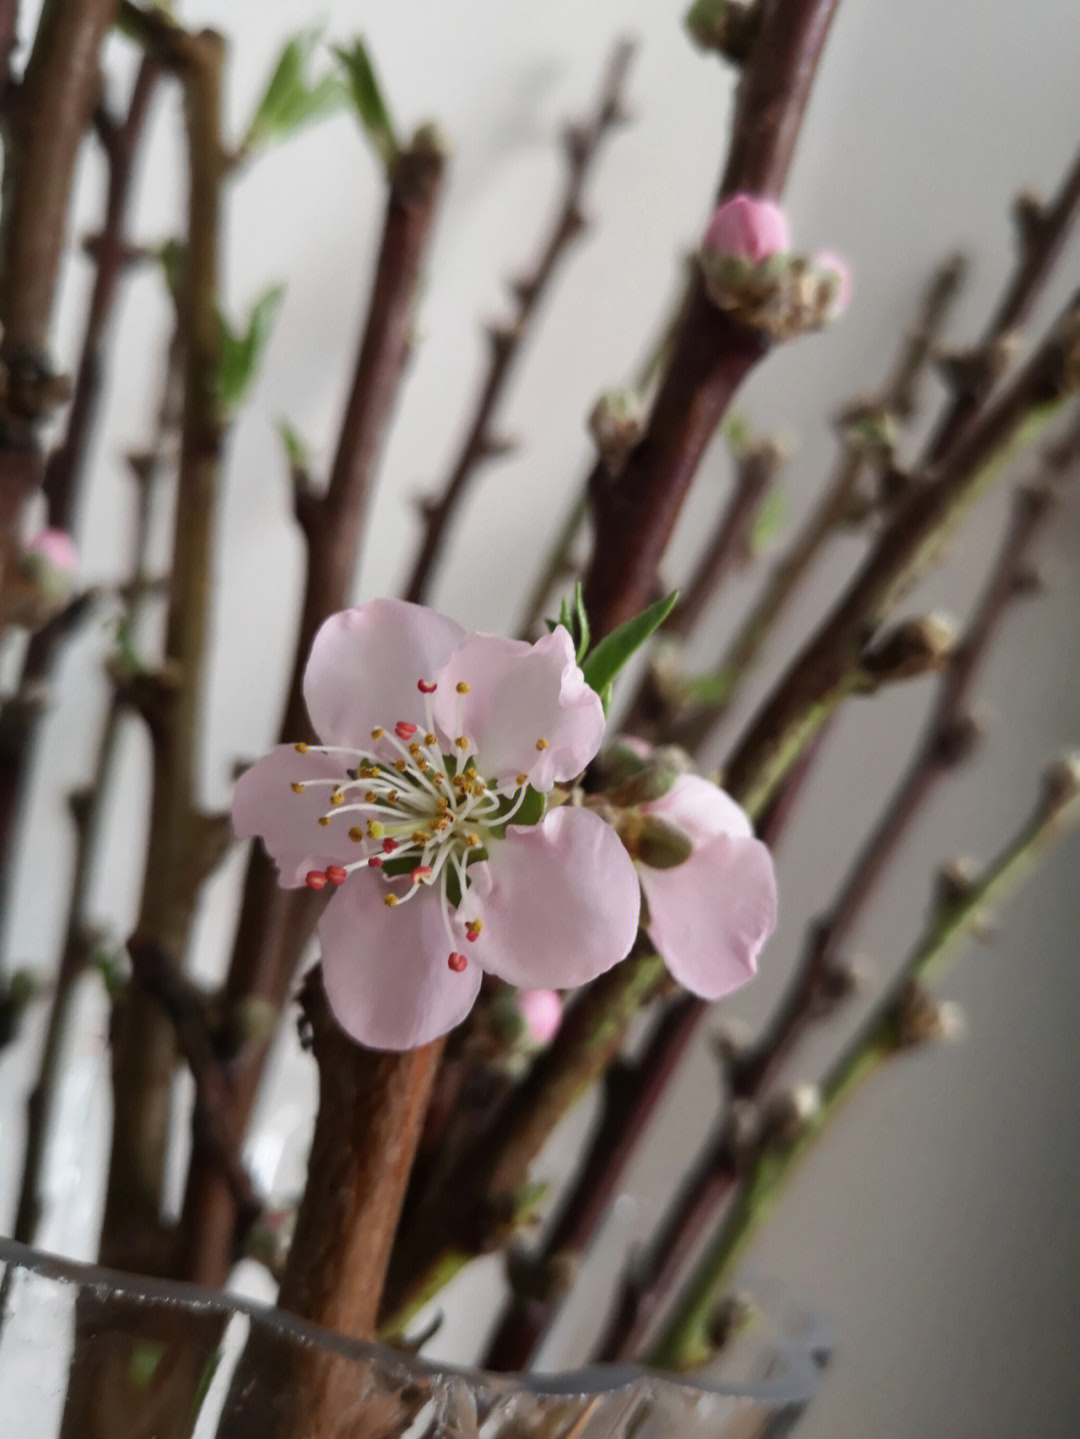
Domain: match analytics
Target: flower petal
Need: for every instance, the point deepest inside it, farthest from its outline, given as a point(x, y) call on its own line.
point(562, 904)
point(365, 664)
point(385, 970)
point(700, 809)
point(710, 916)
point(527, 710)
point(287, 823)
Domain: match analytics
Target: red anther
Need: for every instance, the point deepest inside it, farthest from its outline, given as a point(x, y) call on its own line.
point(420, 872)
point(404, 730)
point(335, 874)
point(389, 845)
point(425, 687)
point(457, 962)
point(375, 862)
point(316, 879)
point(472, 932)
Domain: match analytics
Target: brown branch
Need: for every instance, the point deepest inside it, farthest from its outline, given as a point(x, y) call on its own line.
point(632, 1094)
point(1042, 232)
point(178, 859)
point(583, 143)
point(65, 465)
point(371, 1113)
point(275, 924)
point(819, 986)
point(828, 665)
point(48, 115)
point(897, 398)
point(634, 513)
point(477, 1200)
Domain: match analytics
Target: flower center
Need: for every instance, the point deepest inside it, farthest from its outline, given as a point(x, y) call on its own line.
point(422, 813)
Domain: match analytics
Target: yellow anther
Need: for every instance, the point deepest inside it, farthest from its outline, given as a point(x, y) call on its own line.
point(370, 796)
point(324, 820)
point(389, 900)
point(337, 797)
point(301, 747)
point(401, 765)
point(429, 739)
point(377, 732)
point(421, 836)
point(414, 749)
point(462, 687)
point(472, 841)
point(297, 787)
point(375, 829)
point(521, 779)
point(391, 797)
point(541, 744)
point(462, 742)
point(356, 833)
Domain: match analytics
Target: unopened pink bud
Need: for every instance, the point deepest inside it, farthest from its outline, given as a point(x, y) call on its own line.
point(541, 1009)
point(56, 548)
point(831, 265)
point(748, 228)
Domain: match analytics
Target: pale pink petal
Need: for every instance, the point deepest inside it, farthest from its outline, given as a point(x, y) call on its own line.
point(837, 266)
point(710, 916)
point(527, 710)
point(385, 970)
point(365, 664)
point(700, 809)
point(562, 903)
point(264, 804)
point(542, 1011)
point(748, 228)
point(56, 547)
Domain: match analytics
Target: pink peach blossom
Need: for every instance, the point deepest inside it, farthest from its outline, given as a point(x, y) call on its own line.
point(748, 227)
point(56, 548)
point(710, 915)
point(424, 808)
point(541, 1010)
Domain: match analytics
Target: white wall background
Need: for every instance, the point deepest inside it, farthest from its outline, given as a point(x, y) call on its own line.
point(932, 1224)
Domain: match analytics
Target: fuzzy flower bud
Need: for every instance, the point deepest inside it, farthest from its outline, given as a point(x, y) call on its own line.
point(836, 275)
point(47, 577)
point(542, 1011)
point(747, 227)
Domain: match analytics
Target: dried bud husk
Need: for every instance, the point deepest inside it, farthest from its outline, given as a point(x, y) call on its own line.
point(1061, 780)
point(789, 1114)
point(660, 844)
point(914, 647)
point(653, 778)
point(616, 424)
point(921, 1018)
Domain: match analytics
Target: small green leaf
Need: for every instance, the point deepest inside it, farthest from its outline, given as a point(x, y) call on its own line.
point(367, 98)
point(770, 520)
point(613, 651)
point(583, 632)
point(172, 255)
point(143, 1363)
point(297, 450)
point(708, 689)
point(241, 352)
point(292, 97)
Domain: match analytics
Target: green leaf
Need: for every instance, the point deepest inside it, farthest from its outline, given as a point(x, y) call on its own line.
point(241, 351)
point(367, 97)
point(708, 689)
point(584, 634)
point(770, 520)
point(297, 450)
point(613, 651)
point(293, 98)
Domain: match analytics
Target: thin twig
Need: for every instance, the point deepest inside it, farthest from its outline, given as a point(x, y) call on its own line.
point(276, 924)
point(827, 668)
point(1041, 235)
point(635, 511)
point(583, 143)
point(905, 1016)
point(818, 988)
point(897, 398)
